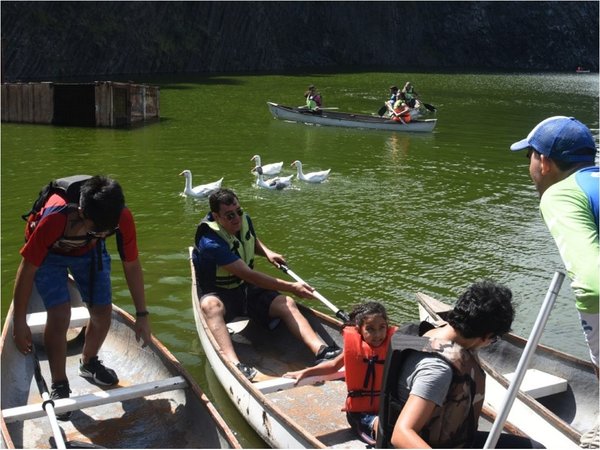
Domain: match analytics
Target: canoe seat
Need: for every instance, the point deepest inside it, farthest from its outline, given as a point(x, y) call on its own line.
point(102, 397)
point(540, 384)
point(37, 321)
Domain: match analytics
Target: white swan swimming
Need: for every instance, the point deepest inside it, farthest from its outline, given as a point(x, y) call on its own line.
point(312, 177)
point(268, 169)
point(277, 183)
point(203, 190)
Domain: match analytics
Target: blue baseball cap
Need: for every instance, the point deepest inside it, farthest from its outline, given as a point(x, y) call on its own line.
point(561, 138)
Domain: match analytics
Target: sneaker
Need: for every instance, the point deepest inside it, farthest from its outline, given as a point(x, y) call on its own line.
point(327, 352)
point(100, 374)
point(248, 371)
point(61, 390)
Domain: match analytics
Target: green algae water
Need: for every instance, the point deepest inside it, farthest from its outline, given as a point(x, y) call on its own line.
point(400, 213)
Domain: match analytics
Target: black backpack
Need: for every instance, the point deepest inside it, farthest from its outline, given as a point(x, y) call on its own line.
point(68, 188)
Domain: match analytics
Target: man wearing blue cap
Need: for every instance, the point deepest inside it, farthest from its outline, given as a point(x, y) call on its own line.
point(561, 152)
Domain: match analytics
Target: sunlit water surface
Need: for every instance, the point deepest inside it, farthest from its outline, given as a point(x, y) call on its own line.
point(400, 213)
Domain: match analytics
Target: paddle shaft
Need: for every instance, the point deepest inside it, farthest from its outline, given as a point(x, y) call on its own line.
point(48, 404)
point(338, 312)
point(532, 342)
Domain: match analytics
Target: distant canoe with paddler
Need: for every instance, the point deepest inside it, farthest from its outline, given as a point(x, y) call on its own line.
point(157, 404)
point(349, 120)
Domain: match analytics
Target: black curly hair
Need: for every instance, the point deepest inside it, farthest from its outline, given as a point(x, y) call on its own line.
point(363, 310)
point(101, 199)
point(484, 308)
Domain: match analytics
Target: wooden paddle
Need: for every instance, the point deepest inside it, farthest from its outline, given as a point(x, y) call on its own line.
point(338, 312)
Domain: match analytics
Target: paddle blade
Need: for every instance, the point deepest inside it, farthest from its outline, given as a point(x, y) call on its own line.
point(382, 110)
point(430, 107)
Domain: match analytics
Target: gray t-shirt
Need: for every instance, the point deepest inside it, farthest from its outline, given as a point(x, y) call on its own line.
point(426, 375)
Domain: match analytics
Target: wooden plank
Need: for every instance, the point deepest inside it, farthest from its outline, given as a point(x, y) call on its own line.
point(540, 384)
point(535, 425)
point(281, 384)
point(36, 410)
point(37, 321)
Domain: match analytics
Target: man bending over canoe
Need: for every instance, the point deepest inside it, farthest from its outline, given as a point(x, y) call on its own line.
point(228, 285)
point(63, 237)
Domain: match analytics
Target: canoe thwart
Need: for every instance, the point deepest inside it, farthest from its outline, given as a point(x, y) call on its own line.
point(37, 321)
point(540, 384)
point(281, 384)
point(35, 410)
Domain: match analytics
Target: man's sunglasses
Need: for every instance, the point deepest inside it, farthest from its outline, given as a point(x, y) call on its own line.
point(230, 215)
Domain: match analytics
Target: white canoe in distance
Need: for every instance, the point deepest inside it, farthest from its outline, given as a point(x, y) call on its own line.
point(348, 120)
point(157, 404)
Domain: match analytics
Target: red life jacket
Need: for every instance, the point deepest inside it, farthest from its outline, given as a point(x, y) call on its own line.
point(364, 370)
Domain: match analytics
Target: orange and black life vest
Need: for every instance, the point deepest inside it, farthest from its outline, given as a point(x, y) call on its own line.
point(364, 370)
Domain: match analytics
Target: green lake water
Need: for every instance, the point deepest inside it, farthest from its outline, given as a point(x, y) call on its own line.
point(400, 213)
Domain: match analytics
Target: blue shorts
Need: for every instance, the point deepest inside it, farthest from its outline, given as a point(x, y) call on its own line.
point(93, 284)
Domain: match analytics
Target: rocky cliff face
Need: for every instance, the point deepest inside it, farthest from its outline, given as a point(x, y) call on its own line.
point(47, 40)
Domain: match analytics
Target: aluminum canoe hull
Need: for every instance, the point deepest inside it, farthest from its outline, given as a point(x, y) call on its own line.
point(347, 120)
point(173, 418)
point(306, 416)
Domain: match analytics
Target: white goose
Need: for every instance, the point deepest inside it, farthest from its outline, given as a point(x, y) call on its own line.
point(268, 169)
point(203, 190)
point(277, 183)
point(312, 177)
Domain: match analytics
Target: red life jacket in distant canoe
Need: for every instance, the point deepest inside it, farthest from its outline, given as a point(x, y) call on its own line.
point(364, 370)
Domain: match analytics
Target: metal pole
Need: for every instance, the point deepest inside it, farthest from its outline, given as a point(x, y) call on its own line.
point(532, 342)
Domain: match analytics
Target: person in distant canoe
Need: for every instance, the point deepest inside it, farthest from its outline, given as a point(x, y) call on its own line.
point(410, 95)
point(366, 341)
point(313, 98)
point(389, 105)
point(434, 386)
point(401, 112)
point(229, 286)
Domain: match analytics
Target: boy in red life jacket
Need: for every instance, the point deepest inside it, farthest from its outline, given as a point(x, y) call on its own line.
point(366, 341)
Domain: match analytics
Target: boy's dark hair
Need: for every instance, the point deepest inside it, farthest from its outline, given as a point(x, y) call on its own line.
point(101, 201)
point(363, 310)
point(222, 196)
point(484, 308)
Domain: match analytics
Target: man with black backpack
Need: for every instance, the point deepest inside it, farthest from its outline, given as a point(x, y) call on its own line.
point(66, 231)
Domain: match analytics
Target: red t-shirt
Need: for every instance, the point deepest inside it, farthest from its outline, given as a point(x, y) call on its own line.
point(51, 227)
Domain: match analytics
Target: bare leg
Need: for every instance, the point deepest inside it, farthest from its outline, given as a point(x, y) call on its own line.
point(286, 309)
point(214, 313)
point(55, 340)
point(96, 331)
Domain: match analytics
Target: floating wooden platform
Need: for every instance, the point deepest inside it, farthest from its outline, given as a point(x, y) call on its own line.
point(96, 104)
